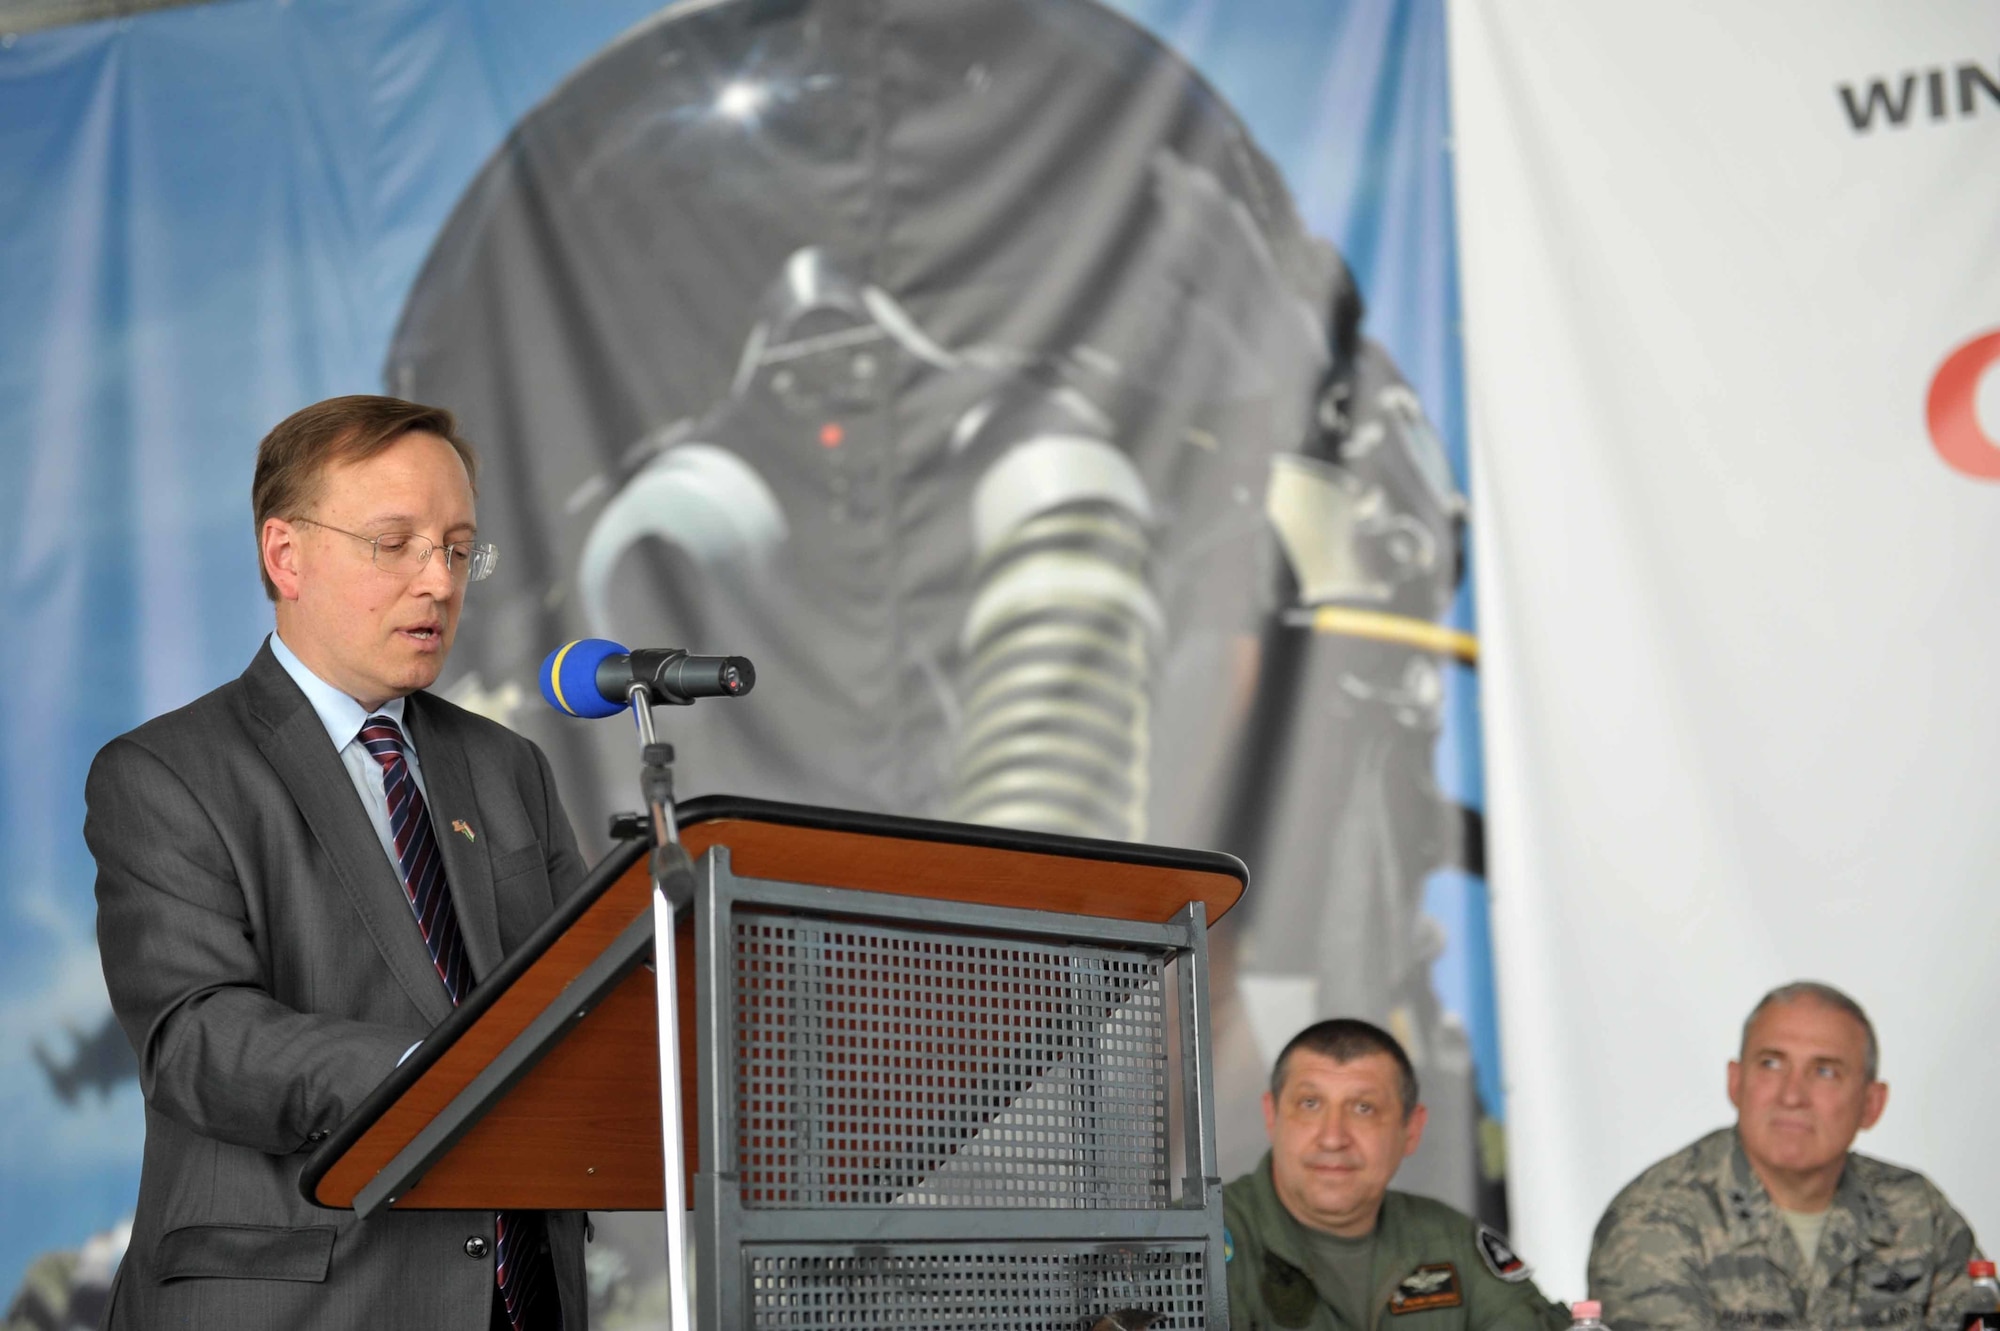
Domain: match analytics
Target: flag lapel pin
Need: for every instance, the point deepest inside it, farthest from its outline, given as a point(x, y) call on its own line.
point(464, 829)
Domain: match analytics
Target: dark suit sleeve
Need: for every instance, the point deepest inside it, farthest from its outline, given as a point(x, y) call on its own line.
point(565, 861)
point(216, 1051)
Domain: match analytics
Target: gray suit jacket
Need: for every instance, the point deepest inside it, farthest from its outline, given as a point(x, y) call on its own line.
point(263, 960)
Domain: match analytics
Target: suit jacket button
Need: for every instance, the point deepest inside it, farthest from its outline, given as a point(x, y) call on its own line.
point(319, 1136)
point(477, 1246)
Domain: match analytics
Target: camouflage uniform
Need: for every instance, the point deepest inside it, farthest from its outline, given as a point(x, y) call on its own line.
point(1436, 1269)
point(1695, 1242)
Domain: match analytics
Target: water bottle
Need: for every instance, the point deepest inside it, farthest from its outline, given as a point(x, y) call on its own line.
point(1588, 1315)
point(1982, 1309)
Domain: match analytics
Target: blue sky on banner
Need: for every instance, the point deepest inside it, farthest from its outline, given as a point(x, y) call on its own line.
point(211, 215)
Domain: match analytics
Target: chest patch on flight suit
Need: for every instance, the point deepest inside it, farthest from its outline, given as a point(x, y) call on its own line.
point(1434, 1286)
point(1891, 1281)
point(1500, 1259)
point(1287, 1292)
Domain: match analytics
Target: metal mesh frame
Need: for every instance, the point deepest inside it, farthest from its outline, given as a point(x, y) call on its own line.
point(1037, 1287)
point(927, 1114)
point(883, 1066)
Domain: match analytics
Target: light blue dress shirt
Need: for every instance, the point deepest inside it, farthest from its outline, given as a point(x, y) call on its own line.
point(343, 718)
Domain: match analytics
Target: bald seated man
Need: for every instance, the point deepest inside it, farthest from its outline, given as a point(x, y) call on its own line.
point(1315, 1236)
point(1776, 1222)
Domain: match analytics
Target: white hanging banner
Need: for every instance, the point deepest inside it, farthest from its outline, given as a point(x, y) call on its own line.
point(1732, 293)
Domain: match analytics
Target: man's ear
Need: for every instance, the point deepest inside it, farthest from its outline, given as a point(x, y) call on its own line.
point(278, 546)
point(1735, 1084)
point(1875, 1100)
point(1413, 1130)
point(1270, 1117)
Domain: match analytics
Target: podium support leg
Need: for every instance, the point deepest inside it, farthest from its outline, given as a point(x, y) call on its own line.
point(679, 1315)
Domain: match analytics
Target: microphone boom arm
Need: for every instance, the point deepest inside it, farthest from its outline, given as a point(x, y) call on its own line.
point(594, 677)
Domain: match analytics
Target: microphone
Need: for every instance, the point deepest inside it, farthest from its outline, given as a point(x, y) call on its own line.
point(592, 676)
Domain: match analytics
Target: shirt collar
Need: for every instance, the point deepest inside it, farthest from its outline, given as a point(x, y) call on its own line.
point(1753, 1215)
point(340, 714)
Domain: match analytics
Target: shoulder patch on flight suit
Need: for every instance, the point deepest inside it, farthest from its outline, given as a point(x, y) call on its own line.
point(1500, 1259)
point(1287, 1292)
point(1228, 1246)
point(1433, 1286)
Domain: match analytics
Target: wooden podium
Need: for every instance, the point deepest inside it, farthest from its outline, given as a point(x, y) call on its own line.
point(945, 1073)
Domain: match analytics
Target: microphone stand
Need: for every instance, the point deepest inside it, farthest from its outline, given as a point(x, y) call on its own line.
point(673, 888)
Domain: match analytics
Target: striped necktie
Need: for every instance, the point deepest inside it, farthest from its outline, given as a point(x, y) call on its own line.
point(522, 1268)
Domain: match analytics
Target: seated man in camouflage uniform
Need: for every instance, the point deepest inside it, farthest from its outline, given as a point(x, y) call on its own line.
point(1315, 1237)
point(1774, 1223)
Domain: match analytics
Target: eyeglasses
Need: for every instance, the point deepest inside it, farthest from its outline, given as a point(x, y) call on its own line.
point(403, 553)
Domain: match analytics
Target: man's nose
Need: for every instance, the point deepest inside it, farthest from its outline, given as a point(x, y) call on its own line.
point(435, 577)
point(1792, 1089)
point(1334, 1133)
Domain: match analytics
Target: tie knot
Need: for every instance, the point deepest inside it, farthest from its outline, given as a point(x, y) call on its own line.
point(381, 737)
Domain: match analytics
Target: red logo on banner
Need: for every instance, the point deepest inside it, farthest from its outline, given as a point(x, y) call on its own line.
point(1953, 409)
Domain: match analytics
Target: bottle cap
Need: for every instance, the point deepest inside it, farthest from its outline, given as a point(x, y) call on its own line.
point(1978, 1269)
point(1586, 1310)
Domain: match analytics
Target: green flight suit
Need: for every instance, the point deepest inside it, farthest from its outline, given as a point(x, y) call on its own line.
point(1435, 1269)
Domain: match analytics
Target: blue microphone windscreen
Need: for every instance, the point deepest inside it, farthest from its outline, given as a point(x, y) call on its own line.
point(569, 678)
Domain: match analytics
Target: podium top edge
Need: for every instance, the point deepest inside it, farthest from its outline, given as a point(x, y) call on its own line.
point(738, 808)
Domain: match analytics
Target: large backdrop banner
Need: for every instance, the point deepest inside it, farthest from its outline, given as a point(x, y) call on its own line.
point(1733, 313)
point(1059, 401)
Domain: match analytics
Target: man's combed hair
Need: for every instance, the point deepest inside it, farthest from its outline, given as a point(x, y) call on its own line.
point(292, 460)
point(1823, 993)
point(1344, 1039)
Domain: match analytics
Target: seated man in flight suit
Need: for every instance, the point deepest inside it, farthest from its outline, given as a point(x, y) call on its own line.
point(1315, 1238)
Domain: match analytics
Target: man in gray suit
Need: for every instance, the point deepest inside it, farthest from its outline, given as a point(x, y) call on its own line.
point(298, 876)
